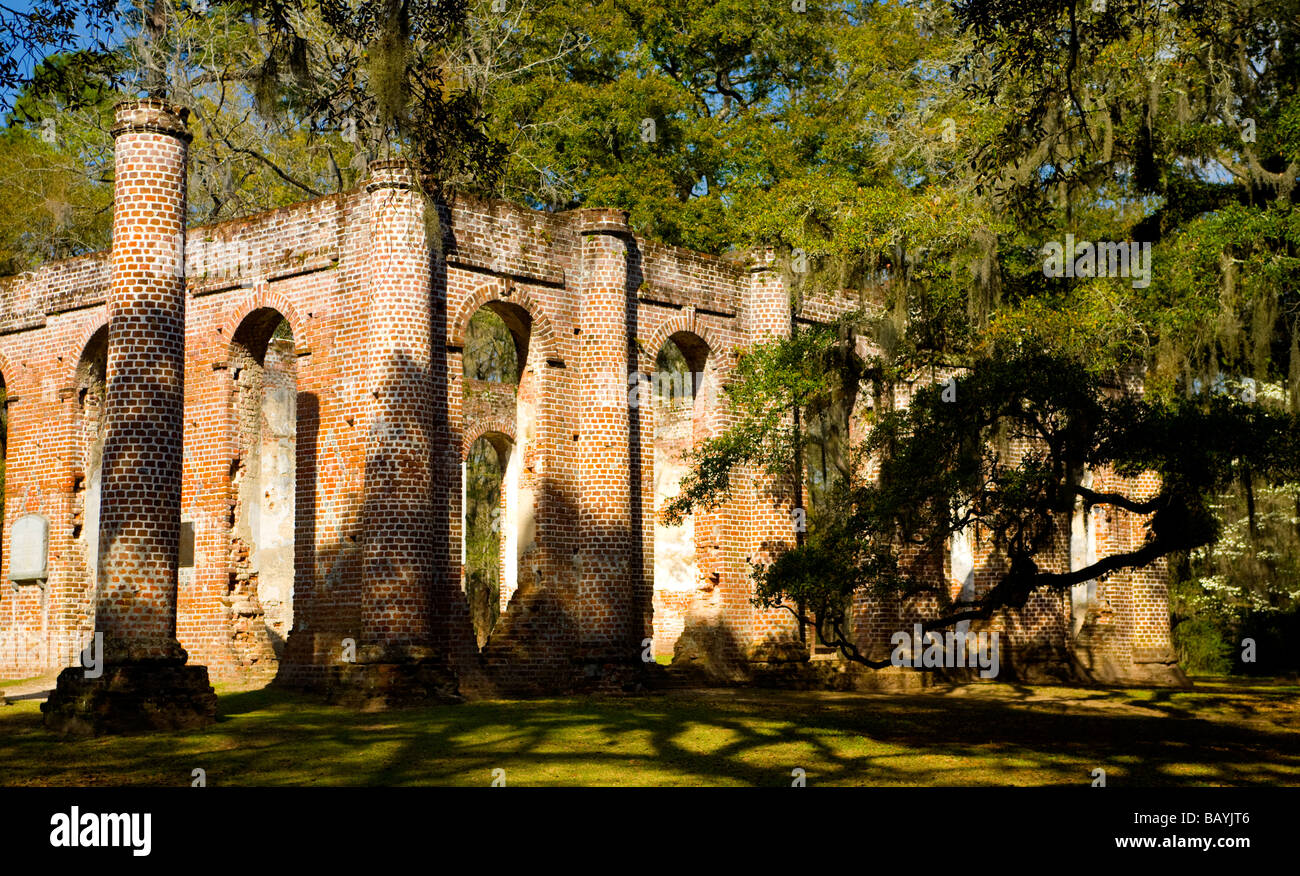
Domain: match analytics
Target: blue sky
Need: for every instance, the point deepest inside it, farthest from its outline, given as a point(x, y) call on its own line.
point(87, 36)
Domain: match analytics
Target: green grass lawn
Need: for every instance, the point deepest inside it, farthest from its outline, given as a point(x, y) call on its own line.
point(1225, 732)
point(18, 682)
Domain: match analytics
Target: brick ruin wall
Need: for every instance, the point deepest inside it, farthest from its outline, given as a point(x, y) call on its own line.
point(326, 417)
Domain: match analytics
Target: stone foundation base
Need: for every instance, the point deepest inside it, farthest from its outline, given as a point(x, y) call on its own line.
point(379, 686)
point(1146, 668)
point(611, 676)
point(809, 674)
point(131, 698)
point(1102, 661)
point(1023, 664)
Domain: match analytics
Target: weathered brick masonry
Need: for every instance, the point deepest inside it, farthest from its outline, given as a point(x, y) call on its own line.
point(142, 680)
point(326, 416)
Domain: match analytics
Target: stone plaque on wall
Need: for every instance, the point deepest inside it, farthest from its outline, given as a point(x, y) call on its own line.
point(187, 544)
point(29, 548)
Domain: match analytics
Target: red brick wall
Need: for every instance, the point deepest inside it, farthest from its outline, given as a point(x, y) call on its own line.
point(378, 448)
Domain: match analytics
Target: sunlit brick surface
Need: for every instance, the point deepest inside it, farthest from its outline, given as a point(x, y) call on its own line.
point(139, 518)
point(372, 361)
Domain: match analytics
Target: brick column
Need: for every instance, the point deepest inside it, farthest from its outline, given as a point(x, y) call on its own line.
point(145, 683)
point(401, 655)
point(398, 513)
point(775, 633)
point(612, 597)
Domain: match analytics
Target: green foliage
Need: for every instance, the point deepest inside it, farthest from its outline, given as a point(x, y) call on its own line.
point(490, 353)
point(1244, 583)
point(56, 164)
point(288, 98)
point(1201, 647)
point(737, 92)
point(1145, 122)
point(483, 472)
point(53, 209)
point(1006, 455)
point(32, 31)
point(778, 384)
point(919, 153)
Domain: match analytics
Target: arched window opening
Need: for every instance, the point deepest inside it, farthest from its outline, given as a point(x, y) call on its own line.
point(492, 349)
point(682, 398)
point(500, 473)
point(91, 373)
point(263, 366)
point(826, 457)
point(1083, 553)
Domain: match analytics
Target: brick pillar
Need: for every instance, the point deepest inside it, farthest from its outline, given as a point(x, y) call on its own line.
point(145, 682)
point(613, 595)
point(398, 514)
point(401, 654)
point(771, 526)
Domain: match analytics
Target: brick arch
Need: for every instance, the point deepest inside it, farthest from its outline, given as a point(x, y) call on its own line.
point(75, 465)
point(83, 340)
point(72, 377)
point(496, 290)
point(240, 445)
point(670, 607)
point(684, 321)
point(268, 299)
point(480, 429)
point(73, 447)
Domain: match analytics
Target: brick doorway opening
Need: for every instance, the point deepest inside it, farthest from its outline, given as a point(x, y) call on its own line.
point(263, 485)
point(683, 398)
point(500, 470)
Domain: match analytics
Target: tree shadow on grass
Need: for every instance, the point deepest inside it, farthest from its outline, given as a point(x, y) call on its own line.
point(703, 738)
point(754, 738)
